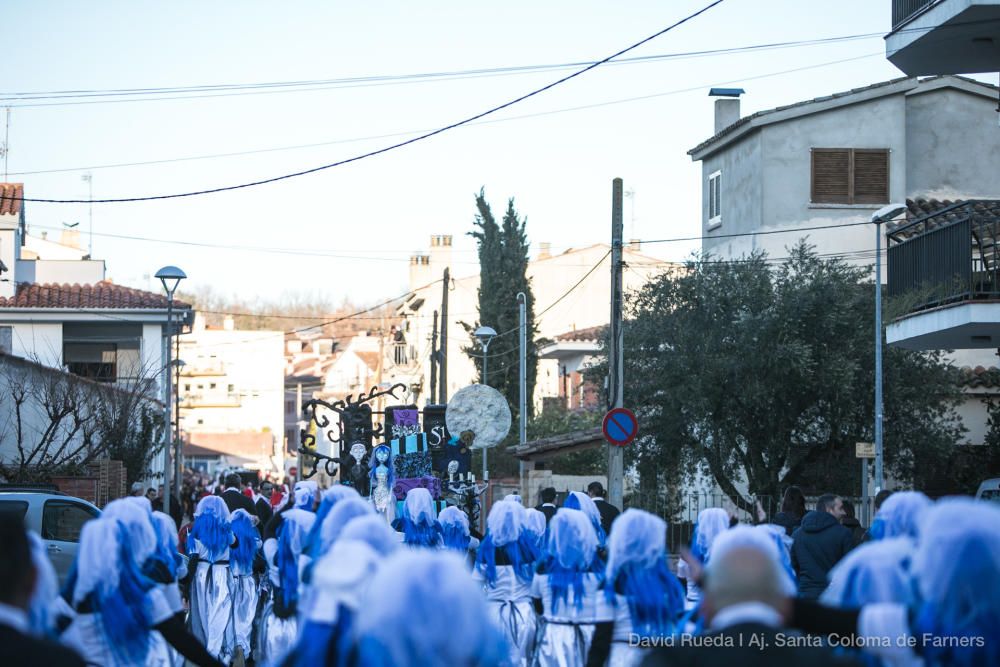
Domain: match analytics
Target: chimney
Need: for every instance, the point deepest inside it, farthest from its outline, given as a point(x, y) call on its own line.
point(440, 254)
point(727, 109)
point(420, 271)
point(544, 250)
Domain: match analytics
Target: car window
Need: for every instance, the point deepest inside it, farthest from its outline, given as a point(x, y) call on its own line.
point(991, 494)
point(63, 520)
point(18, 507)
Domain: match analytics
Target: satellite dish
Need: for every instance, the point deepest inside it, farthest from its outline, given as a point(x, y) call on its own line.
point(478, 412)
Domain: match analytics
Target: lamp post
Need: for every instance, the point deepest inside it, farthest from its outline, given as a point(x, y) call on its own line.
point(884, 214)
point(170, 277)
point(485, 336)
point(179, 449)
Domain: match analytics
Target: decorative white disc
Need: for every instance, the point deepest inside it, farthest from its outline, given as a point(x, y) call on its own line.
point(482, 410)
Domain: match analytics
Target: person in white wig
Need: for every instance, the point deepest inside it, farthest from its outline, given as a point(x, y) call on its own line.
point(566, 592)
point(209, 543)
point(956, 617)
point(165, 567)
point(333, 603)
point(422, 609)
point(873, 572)
point(374, 531)
point(515, 498)
point(342, 513)
point(648, 599)
point(455, 534)
point(581, 501)
point(329, 498)
point(114, 621)
point(418, 522)
point(534, 528)
point(505, 564)
point(900, 515)
point(711, 523)
point(244, 583)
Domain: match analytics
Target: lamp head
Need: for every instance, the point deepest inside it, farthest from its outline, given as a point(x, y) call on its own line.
point(171, 277)
point(887, 213)
point(485, 335)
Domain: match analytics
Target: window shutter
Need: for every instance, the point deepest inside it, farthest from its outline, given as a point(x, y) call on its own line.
point(871, 176)
point(831, 177)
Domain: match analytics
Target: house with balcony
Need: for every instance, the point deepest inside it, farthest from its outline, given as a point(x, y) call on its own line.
point(944, 36)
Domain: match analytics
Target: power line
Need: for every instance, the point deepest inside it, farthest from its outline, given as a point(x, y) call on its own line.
point(398, 145)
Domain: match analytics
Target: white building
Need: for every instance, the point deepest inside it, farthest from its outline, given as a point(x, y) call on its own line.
point(232, 382)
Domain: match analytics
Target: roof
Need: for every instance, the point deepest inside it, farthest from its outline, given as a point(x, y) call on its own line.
point(979, 377)
point(826, 102)
point(370, 359)
point(923, 215)
point(558, 444)
point(248, 444)
point(590, 334)
point(11, 195)
point(101, 295)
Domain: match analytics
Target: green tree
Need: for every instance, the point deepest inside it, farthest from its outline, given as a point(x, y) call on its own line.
point(763, 374)
point(503, 264)
point(557, 420)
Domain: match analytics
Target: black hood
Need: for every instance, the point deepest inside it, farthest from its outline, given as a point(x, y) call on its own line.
point(816, 522)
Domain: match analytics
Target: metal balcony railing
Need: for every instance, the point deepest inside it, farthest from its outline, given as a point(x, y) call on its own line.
point(948, 256)
point(904, 10)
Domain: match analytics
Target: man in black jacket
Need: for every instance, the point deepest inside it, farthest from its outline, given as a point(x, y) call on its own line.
point(17, 583)
point(608, 511)
point(233, 496)
point(818, 544)
point(548, 504)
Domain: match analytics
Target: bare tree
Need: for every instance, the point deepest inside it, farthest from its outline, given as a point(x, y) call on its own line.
point(53, 422)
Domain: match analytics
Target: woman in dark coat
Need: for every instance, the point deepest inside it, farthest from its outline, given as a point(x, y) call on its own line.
point(793, 508)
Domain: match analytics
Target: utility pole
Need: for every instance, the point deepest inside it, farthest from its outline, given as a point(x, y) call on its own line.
point(616, 366)
point(443, 389)
point(522, 433)
point(434, 359)
point(167, 387)
point(179, 457)
point(298, 411)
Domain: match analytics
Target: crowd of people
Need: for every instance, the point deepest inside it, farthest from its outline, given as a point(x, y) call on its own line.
point(326, 580)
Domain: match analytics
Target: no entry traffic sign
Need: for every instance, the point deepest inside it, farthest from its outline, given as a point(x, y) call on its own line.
point(620, 426)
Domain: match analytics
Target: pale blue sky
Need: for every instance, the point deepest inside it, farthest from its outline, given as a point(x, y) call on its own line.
point(558, 166)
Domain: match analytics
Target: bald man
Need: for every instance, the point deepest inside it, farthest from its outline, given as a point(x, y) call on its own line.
point(744, 607)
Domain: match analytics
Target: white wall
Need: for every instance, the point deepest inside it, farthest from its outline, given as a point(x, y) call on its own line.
point(41, 342)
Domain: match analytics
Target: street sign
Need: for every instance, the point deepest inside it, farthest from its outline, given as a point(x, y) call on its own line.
point(864, 450)
point(620, 426)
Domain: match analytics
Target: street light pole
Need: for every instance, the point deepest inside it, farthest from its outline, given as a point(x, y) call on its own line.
point(485, 335)
point(522, 412)
point(170, 277)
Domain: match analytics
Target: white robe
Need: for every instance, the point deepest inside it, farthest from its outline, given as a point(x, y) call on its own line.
point(212, 603)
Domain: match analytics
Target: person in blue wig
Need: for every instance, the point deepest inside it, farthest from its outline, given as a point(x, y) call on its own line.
point(455, 532)
point(955, 619)
point(648, 599)
point(505, 564)
point(418, 522)
point(423, 609)
point(900, 516)
point(581, 501)
point(341, 578)
point(566, 592)
point(165, 567)
point(330, 497)
point(209, 543)
point(114, 622)
point(244, 583)
point(712, 522)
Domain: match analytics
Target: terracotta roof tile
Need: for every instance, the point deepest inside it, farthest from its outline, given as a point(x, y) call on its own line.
point(979, 376)
point(588, 334)
point(938, 212)
point(10, 198)
point(102, 295)
point(370, 359)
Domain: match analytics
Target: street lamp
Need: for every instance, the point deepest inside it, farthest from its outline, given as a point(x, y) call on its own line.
point(171, 277)
point(884, 214)
point(485, 335)
point(178, 364)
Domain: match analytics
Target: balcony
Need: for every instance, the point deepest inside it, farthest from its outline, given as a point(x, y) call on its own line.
point(944, 276)
point(944, 36)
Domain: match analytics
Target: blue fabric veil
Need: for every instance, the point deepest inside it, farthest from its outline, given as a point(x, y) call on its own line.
point(246, 540)
point(331, 497)
point(570, 554)
point(211, 527)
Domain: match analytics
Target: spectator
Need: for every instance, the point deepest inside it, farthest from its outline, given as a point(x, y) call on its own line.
point(262, 503)
point(176, 511)
point(608, 511)
point(548, 504)
point(819, 544)
point(880, 499)
point(793, 508)
point(137, 489)
point(151, 494)
point(234, 498)
point(18, 578)
point(851, 523)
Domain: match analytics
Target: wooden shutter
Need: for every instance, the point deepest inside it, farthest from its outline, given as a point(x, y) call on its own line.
point(831, 175)
point(871, 176)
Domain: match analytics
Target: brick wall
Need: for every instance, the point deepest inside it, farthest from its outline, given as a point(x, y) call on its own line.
point(79, 487)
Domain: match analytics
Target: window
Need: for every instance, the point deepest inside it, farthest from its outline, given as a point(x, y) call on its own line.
point(850, 175)
point(715, 200)
point(63, 520)
point(16, 507)
point(211, 386)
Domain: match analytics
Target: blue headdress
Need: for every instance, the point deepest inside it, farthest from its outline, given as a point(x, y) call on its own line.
point(505, 530)
point(637, 570)
point(571, 553)
point(373, 465)
point(711, 523)
point(581, 501)
point(246, 534)
point(373, 531)
point(958, 573)
point(454, 529)
point(211, 527)
point(137, 517)
point(534, 531)
point(108, 577)
point(420, 529)
point(346, 511)
point(291, 538)
point(900, 515)
point(331, 497)
point(166, 554)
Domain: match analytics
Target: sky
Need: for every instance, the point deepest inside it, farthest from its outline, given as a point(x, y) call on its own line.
point(348, 232)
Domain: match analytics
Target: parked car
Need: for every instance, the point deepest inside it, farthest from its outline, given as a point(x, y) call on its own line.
point(55, 516)
point(989, 490)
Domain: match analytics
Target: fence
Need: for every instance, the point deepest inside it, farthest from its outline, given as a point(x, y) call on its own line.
point(681, 513)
